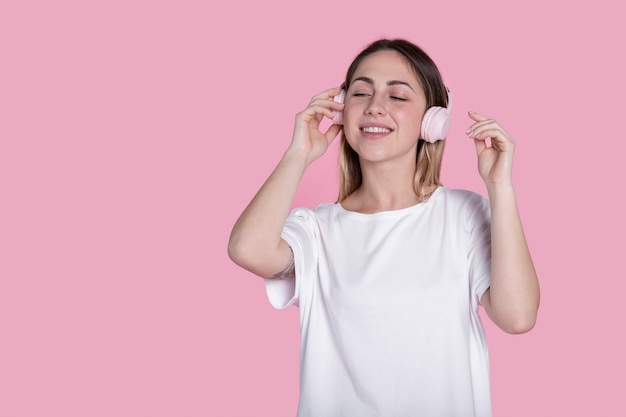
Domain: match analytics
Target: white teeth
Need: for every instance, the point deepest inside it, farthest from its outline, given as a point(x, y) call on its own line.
point(376, 130)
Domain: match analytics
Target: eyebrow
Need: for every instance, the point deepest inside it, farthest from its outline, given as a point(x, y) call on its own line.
point(392, 82)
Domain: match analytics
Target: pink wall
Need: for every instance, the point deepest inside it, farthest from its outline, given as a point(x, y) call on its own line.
point(133, 134)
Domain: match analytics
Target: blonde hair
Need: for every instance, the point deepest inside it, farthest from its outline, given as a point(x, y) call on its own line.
point(429, 156)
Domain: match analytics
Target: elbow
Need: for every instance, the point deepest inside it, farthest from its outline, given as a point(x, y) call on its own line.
point(514, 314)
point(237, 252)
point(520, 325)
point(250, 255)
point(513, 320)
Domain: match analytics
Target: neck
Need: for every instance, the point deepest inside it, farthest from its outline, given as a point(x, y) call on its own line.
point(385, 187)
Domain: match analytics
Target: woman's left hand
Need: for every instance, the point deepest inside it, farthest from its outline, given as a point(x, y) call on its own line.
point(495, 162)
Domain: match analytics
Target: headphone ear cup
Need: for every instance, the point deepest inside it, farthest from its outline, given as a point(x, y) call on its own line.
point(435, 124)
point(340, 98)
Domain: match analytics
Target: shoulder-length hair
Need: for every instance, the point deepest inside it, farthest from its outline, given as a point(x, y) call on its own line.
point(429, 155)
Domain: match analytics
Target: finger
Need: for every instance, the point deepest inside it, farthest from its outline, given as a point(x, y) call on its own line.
point(332, 132)
point(476, 116)
point(480, 121)
point(481, 145)
point(489, 124)
point(491, 131)
point(327, 102)
point(322, 109)
point(327, 94)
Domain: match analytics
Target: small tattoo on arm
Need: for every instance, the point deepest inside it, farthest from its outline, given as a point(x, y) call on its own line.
point(289, 271)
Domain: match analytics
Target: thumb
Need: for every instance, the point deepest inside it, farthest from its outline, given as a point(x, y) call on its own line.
point(480, 146)
point(332, 132)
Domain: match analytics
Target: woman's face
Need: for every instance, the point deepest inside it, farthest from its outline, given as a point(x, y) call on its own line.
point(384, 108)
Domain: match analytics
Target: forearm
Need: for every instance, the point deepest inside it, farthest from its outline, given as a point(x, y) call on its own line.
point(256, 236)
point(514, 291)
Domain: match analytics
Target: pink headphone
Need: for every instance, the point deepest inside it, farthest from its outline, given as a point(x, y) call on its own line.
point(338, 119)
point(435, 124)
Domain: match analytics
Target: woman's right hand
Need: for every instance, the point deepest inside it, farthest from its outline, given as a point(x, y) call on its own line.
point(307, 136)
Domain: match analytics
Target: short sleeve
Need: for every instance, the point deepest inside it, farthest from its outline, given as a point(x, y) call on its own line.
point(479, 256)
point(301, 234)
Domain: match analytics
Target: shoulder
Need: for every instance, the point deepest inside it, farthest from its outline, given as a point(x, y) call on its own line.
point(463, 198)
point(469, 208)
point(462, 195)
point(304, 223)
point(321, 213)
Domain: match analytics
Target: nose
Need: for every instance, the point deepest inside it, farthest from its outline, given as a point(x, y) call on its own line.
point(375, 107)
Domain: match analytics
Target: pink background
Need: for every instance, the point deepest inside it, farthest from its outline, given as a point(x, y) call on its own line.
point(133, 133)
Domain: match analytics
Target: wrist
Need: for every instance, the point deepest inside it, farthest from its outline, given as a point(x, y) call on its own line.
point(297, 156)
point(501, 189)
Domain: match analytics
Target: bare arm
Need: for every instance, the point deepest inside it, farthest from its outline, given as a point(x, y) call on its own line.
point(255, 241)
point(512, 300)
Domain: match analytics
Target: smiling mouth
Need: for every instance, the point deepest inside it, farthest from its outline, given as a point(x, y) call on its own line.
point(375, 130)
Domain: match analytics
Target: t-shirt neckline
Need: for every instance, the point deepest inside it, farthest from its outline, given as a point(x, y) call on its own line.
point(416, 207)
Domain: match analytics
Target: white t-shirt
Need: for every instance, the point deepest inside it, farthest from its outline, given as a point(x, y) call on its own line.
point(389, 308)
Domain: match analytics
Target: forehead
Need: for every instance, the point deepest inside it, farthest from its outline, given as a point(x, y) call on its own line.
point(387, 65)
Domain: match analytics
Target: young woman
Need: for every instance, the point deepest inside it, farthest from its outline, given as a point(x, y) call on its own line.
point(389, 278)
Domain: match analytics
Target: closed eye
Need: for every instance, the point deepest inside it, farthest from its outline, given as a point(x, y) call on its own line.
point(398, 98)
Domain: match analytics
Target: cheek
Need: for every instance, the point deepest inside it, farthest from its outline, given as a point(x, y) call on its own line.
point(349, 111)
point(349, 131)
point(350, 116)
point(410, 120)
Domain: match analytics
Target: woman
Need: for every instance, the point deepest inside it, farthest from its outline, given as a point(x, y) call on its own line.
point(389, 278)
